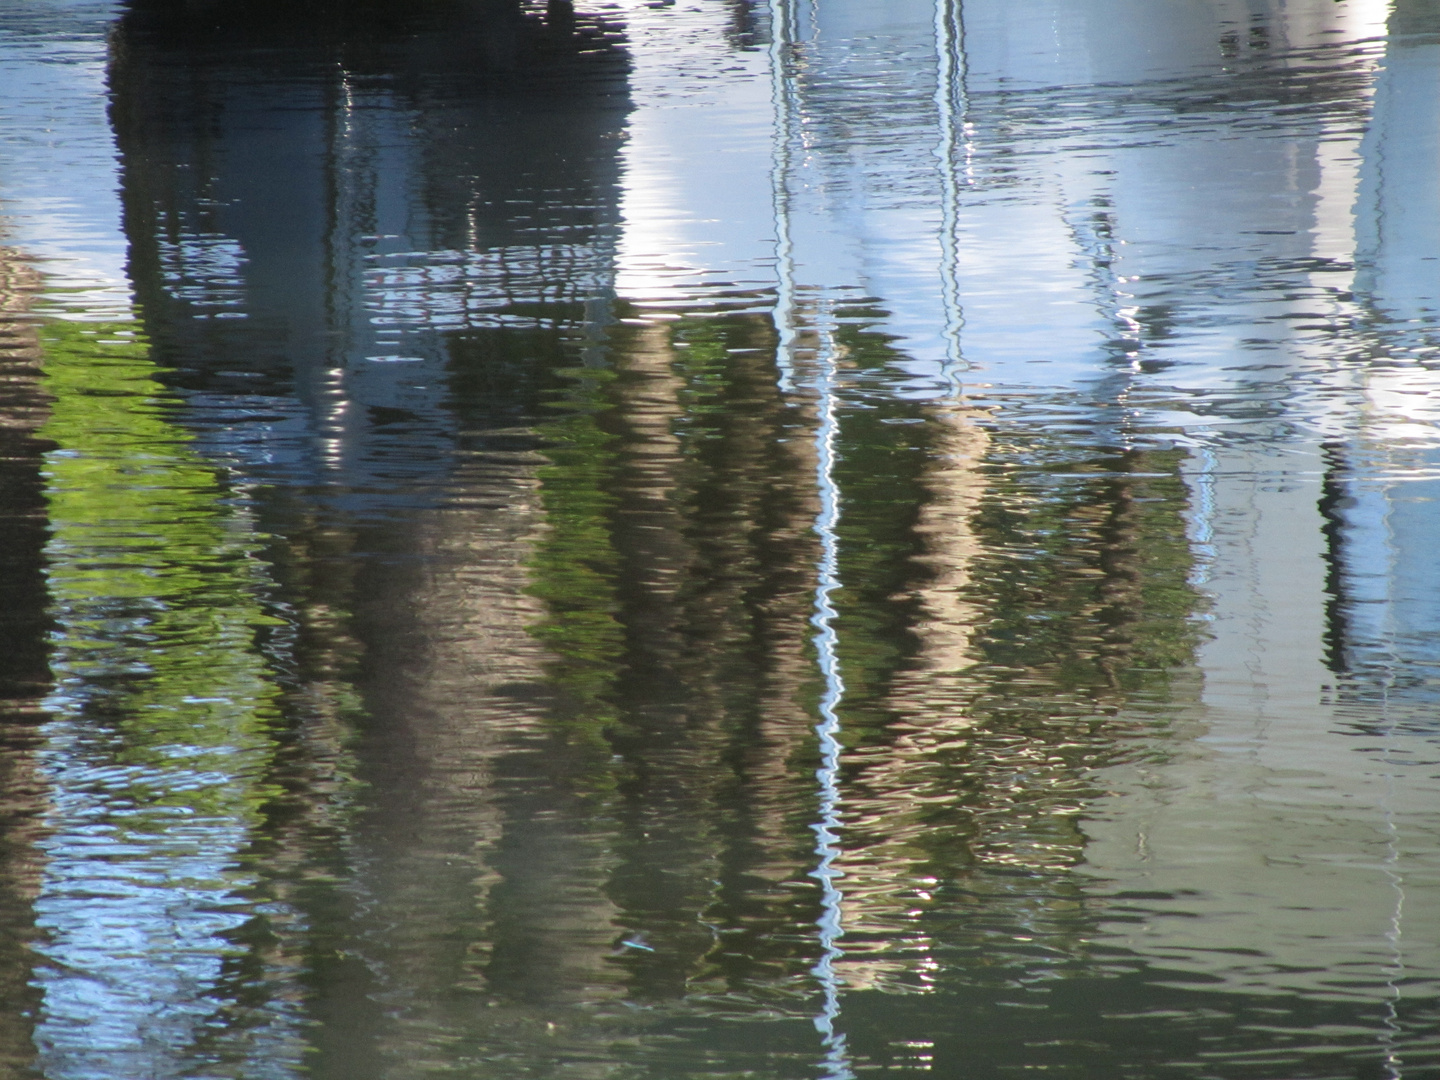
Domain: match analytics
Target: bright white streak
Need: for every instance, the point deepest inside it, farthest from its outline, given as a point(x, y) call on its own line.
point(950, 108)
point(835, 1065)
point(827, 828)
point(782, 38)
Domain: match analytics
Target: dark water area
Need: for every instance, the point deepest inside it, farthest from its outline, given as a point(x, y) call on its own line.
point(712, 538)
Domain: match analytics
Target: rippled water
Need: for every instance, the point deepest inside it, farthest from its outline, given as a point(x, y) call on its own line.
point(705, 538)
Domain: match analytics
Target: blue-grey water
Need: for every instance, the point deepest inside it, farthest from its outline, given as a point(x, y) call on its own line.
point(720, 538)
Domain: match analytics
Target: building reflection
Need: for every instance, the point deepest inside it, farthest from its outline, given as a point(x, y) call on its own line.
point(313, 201)
point(580, 708)
point(579, 661)
point(1381, 463)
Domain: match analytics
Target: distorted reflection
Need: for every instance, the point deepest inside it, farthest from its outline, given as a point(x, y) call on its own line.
point(159, 747)
point(670, 540)
point(24, 674)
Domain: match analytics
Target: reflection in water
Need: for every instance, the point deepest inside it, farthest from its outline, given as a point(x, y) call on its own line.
point(24, 675)
point(827, 838)
point(420, 176)
point(159, 742)
point(609, 539)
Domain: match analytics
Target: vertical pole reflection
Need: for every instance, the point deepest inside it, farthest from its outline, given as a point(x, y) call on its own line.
point(1394, 972)
point(827, 836)
point(1394, 934)
point(835, 1064)
point(782, 41)
point(952, 109)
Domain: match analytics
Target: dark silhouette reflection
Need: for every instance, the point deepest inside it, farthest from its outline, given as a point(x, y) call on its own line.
point(26, 675)
point(312, 201)
point(24, 656)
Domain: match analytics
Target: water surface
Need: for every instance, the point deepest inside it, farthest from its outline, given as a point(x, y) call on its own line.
point(720, 539)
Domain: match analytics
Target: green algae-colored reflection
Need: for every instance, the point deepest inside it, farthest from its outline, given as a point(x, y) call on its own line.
point(163, 715)
point(153, 577)
point(575, 564)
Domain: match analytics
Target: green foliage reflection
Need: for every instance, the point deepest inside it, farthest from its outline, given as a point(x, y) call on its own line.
point(154, 583)
point(575, 566)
